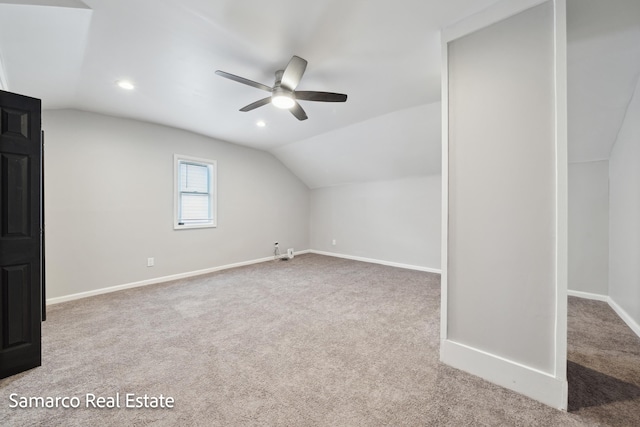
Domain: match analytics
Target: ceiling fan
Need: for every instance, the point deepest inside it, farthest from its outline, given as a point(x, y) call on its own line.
point(283, 93)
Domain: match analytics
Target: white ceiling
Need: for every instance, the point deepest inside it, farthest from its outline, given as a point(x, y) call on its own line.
point(401, 144)
point(384, 54)
point(603, 65)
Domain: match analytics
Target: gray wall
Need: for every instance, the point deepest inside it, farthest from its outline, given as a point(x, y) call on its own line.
point(394, 221)
point(109, 203)
point(501, 244)
point(624, 243)
point(589, 227)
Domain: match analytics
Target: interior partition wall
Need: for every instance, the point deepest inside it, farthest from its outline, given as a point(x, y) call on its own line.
point(504, 254)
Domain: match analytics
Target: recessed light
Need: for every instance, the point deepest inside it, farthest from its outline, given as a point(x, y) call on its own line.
point(261, 123)
point(126, 84)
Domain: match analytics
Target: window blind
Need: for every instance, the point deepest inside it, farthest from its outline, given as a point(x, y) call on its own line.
point(194, 204)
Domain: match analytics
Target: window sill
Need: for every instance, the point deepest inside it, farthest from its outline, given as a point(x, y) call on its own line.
point(193, 226)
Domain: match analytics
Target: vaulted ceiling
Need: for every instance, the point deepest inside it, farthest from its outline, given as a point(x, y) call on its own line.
point(603, 58)
point(385, 55)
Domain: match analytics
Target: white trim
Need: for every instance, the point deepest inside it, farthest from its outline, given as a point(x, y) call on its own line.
point(588, 295)
point(212, 166)
point(562, 192)
point(378, 261)
point(157, 280)
point(626, 318)
point(3, 77)
point(444, 240)
point(631, 323)
point(530, 382)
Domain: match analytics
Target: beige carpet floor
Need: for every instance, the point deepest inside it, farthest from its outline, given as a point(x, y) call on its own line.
point(315, 341)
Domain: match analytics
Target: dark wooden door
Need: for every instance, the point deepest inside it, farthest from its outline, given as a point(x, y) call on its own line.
point(21, 256)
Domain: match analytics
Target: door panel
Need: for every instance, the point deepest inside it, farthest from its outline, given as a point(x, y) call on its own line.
point(21, 270)
point(15, 187)
point(15, 291)
point(15, 122)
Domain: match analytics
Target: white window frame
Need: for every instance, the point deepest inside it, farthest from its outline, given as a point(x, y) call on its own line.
point(213, 192)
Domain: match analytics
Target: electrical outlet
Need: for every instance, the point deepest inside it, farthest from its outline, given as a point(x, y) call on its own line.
point(150, 262)
point(334, 242)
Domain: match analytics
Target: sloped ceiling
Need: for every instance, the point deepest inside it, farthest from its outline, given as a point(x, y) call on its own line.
point(385, 55)
point(603, 61)
point(42, 49)
point(400, 144)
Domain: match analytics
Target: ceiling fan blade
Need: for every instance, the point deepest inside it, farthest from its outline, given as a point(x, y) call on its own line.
point(297, 111)
point(293, 73)
point(320, 96)
point(256, 104)
point(243, 80)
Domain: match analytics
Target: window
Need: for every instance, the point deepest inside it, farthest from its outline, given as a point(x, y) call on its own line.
point(195, 192)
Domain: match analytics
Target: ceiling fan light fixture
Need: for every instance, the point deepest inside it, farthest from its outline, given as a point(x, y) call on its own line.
point(282, 101)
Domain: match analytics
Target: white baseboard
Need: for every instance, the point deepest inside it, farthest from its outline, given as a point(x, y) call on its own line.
point(530, 382)
point(631, 323)
point(157, 280)
point(588, 295)
point(377, 261)
point(306, 251)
